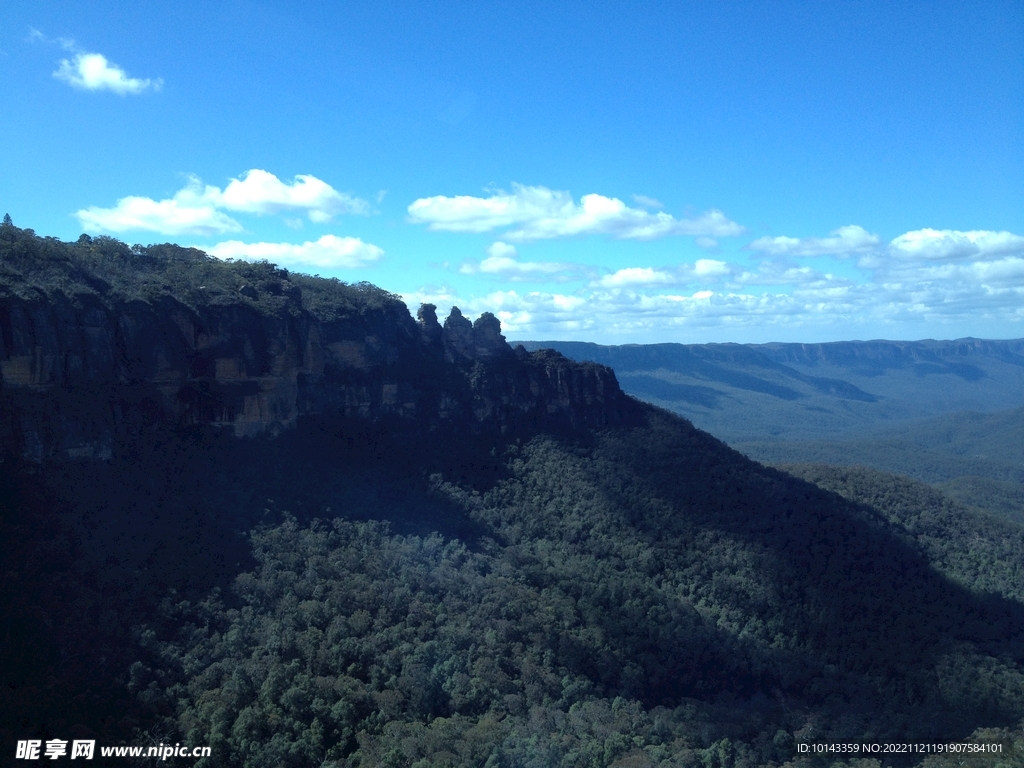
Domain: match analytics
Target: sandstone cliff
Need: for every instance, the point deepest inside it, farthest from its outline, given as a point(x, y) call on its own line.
point(100, 344)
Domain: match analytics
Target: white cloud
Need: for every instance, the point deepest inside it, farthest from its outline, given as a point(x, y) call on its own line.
point(632, 276)
point(261, 192)
point(644, 314)
point(92, 72)
point(196, 209)
point(540, 213)
point(613, 312)
point(940, 284)
point(952, 245)
point(917, 246)
point(1008, 272)
point(500, 250)
point(166, 217)
point(998, 274)
point(501, 261)
point(496, 265)
point(329, 251)
point(951, 301)
point(645, 303)
point(464, 213)
point(844, 241)
point(702, 271)
point(926, 283)
point(710, 268)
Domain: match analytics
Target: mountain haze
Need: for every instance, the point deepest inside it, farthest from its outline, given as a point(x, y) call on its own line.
point(748, 392)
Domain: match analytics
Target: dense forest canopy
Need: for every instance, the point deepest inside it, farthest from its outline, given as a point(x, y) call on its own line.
point(975, 458)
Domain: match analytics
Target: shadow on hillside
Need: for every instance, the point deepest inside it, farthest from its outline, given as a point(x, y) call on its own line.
point(92, 547)
point(98, 545)
point(867, 609)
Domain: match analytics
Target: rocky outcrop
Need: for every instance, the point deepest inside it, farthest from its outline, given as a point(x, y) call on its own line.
point(81, 374)
point(430, 330)
point(460, 340)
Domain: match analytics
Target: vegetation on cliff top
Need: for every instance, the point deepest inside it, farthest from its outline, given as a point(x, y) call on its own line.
point(110, 269)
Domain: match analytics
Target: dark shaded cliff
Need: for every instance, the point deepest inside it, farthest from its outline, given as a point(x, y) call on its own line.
point(101, 343)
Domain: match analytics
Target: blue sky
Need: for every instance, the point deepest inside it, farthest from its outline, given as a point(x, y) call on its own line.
point(609, 172)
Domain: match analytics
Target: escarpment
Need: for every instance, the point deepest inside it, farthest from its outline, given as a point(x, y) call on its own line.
point(100, 343)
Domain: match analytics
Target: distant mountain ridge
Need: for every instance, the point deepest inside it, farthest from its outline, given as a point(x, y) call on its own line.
point(746, 392)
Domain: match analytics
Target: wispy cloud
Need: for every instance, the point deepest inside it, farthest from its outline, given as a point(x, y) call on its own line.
point(197, 209)
point(648, 202)
point(328, 252)
point(92, 72)
point(537, 213)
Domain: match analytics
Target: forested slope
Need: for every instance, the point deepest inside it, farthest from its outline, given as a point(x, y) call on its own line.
point(932, 450)
point(976, 458)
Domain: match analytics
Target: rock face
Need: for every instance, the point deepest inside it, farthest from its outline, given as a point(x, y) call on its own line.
point(83, 373)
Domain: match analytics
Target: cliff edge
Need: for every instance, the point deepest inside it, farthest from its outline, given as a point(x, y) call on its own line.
point(101, 343)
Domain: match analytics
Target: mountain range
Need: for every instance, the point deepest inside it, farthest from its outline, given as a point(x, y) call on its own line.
point(750, 392)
